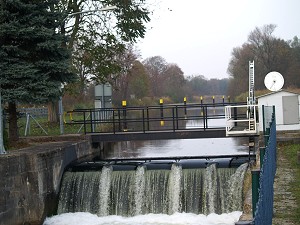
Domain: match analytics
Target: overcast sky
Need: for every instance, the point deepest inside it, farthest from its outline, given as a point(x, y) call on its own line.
point(199, 35)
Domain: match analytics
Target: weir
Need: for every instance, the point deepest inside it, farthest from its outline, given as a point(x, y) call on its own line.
point(140, 190)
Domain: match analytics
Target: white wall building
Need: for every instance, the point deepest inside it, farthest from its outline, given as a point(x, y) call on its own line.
point(286, 109)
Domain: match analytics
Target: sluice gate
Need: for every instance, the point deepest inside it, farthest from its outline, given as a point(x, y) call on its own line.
point(157, 186)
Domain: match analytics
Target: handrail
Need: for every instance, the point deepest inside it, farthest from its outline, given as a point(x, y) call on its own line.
point(247, 123)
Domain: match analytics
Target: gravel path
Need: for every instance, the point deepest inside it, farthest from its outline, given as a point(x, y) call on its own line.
point(284, 201)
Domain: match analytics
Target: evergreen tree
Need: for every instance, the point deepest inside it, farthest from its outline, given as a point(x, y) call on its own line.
point(33, 63)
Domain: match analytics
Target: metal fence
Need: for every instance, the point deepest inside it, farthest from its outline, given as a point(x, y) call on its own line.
point(264, 207)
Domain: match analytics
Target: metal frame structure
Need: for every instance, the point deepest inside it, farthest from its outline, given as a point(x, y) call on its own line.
point(236, 125)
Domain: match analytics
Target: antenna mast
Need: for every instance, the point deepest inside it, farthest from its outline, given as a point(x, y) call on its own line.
point(251, 98)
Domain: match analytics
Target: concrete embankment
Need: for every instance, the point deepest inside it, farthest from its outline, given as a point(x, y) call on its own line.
point(30, 179)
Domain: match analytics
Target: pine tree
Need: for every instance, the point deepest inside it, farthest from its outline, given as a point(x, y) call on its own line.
point(33, 63)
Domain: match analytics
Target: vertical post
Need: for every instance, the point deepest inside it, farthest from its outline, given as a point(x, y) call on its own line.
point(213, 99)
point(161, 104)
point(184, 103)
point(60, 112)
point(176, 116)
point(263, 117)
point(2, 149)
point(262, 151)
point(148, 122)
point(84, 122)
point(223, 99)
point(124, 104)
point(228, 98)
point(255, 189)
point(201, 100)
point(235, 115)
point(144, 129)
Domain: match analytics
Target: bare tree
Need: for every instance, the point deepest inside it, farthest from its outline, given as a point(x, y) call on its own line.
point(156, 67)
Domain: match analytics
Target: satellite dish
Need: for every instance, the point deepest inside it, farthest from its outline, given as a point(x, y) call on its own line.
point(274, 81)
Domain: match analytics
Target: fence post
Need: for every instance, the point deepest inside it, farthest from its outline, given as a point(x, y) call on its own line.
point(262, 151)
point(124, 104)
point(235, 116)
point(201, 99)
point(161, 104)
point(255, 189)
point(184, 103)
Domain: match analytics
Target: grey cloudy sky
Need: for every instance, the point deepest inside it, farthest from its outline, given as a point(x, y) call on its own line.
point(199, 35)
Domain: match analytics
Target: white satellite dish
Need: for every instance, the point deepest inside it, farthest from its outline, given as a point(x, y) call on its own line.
point(274, 81)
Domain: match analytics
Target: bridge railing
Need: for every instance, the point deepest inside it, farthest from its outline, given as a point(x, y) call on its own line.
point(241, 119)
point(151, 118)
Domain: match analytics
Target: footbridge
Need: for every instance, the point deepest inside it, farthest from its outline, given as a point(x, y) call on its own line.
point(172, 121)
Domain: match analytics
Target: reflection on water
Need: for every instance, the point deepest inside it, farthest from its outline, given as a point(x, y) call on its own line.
point(180, 147)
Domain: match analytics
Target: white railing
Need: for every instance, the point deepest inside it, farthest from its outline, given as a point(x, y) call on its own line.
point(241, 120)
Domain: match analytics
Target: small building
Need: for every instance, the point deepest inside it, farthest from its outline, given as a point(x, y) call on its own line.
point(286, 109)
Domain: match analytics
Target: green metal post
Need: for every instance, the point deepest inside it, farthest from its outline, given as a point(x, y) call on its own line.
point(262, 151)
point(255, 189)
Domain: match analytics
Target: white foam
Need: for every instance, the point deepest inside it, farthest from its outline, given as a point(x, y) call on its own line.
point(83, 218)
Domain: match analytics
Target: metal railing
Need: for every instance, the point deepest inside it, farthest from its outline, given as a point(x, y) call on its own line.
point(150, 118)
point(241, 119)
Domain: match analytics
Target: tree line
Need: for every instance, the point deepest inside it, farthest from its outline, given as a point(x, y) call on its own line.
point(65, 47)
point(155, 77)
point(269, 53)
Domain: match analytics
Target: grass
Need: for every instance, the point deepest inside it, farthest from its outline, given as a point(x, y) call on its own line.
point(287, 160)
point(290, 152)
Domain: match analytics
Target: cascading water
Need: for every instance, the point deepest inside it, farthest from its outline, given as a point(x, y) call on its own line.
point(142, 191)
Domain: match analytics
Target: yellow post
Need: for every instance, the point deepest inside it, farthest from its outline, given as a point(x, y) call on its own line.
point(184, 102)
point(213, 99)
point(201, 99)
point(124, 115)
point(161, 102)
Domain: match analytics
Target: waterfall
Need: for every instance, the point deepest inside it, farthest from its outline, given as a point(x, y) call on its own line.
point(142, 191)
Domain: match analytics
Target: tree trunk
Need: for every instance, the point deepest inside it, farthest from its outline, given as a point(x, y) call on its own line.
point(13, 122)
point(53, 112)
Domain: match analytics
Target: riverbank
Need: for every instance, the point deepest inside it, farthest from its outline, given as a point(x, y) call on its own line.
point(287, 185)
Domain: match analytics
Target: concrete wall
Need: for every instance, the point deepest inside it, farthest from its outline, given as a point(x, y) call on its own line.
point(30, 180)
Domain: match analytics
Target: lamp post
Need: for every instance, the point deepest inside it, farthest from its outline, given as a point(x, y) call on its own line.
point(2, 149)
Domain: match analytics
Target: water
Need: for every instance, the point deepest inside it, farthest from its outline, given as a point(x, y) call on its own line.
point(182, 207)
point(180, 147)
point(84, 218)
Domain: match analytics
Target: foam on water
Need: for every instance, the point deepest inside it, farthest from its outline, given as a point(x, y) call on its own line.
point(84, 218)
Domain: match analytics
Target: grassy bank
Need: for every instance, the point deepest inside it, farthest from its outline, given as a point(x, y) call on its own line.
point(287, 186)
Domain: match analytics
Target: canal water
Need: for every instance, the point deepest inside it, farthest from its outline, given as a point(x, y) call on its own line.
point(163, 148)
point(183, 147)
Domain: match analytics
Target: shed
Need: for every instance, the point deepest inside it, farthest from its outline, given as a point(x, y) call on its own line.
point(286, 109)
